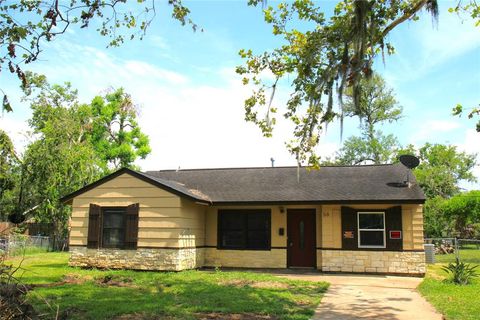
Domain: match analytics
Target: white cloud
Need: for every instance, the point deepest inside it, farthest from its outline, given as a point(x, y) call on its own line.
point(454, 37)
point(431, 45)
point(17, 130)
point(158, 42)
point(190, 124)
point(100, 69)
point(471, 145)
point(432, 129)
point(143, 69)
point(204, 126)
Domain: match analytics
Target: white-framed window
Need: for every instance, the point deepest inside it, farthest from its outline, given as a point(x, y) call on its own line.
point(371, 229)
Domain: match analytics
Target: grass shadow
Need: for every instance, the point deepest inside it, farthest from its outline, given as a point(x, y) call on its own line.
point(182, 300)
point(179, 295)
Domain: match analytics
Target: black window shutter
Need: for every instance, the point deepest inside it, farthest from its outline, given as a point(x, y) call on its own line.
point(349, 229)
point(94, 226)
point(131, 226)
point(393, 222)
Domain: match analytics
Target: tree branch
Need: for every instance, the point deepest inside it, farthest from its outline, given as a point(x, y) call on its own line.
point(417, 7)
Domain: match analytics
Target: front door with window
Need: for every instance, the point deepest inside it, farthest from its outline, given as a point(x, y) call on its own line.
point(301, 238)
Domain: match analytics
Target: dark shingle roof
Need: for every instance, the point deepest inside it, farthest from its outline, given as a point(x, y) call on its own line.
point(335, 184)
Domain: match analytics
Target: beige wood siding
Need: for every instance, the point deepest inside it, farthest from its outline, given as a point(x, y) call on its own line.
point(412, 221)
point(331, 227)
point(165, 219)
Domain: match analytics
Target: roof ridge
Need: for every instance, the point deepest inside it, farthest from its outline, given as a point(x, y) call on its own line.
point(277, 167)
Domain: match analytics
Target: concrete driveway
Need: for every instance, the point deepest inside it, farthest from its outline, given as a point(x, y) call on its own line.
point(371, 297)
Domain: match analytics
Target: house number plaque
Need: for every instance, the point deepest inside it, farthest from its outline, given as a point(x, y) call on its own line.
point(348, 235)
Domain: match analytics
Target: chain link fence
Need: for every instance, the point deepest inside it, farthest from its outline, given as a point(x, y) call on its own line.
point(449, 249)
point(14, 243)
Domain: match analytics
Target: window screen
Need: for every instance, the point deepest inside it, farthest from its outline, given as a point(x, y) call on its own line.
point(113, 235)
point(244, 229)
point(371, 229)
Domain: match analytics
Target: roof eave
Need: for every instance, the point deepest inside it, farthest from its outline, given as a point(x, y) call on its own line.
point(68, 198)
point(324, 202)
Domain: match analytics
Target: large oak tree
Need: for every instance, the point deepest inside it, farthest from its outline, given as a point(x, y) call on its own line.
point(321, 58)
point(377, 105)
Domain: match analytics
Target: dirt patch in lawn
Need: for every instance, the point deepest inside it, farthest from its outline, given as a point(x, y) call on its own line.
point(115, 281)
point(70, 278)
point(67, 313)
point(141, 316)
point(270, 285)
point(233, 316)
point(256, 284)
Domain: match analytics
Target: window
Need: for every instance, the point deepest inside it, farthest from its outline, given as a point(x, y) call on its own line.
point(113, 229)
point(244, 229)
point(371, 229)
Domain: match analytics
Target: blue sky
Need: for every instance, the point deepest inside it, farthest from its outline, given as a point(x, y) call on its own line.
point(191, 100)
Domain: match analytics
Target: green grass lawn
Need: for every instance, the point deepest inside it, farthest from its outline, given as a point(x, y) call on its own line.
point(96, 294)
point(454, 301)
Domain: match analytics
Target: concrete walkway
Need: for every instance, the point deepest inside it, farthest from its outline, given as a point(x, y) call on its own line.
point(370, 297)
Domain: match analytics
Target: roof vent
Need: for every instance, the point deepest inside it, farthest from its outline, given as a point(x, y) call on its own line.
point(273, 162)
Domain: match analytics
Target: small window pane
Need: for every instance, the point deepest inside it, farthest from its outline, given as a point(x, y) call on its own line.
point(370, 221)
point(113, 220)
point(372, 238)
point(257, 222)
point(257, 240)
point(113, 237)
point(232, 221)
point(233, 239)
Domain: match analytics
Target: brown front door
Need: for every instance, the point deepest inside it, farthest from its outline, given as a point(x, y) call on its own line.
point(301, 238)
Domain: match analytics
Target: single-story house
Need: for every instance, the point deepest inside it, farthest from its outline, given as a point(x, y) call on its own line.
point(336, 218)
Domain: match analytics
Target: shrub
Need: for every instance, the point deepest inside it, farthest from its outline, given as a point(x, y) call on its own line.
point(13, 302)
point(461, 273)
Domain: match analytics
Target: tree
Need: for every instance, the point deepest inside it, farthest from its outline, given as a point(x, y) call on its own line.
point(62, 158)
point(464, 211)
point(379, 149)
point(441, 168)
point(377, 105)
point(116, 135)
point(9, 164)
point(332, 55)
point(74, 145)
point(26, 25)
point(436, 223)
point(7, 158)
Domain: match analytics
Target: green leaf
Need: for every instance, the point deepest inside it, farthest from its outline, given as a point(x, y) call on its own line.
point(6, 104)
point(457, 110)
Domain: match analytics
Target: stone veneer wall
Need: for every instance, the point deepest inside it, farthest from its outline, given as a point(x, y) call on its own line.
point(405, 262)
point(402, 262)
point(274, 258)
point(141, 259)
